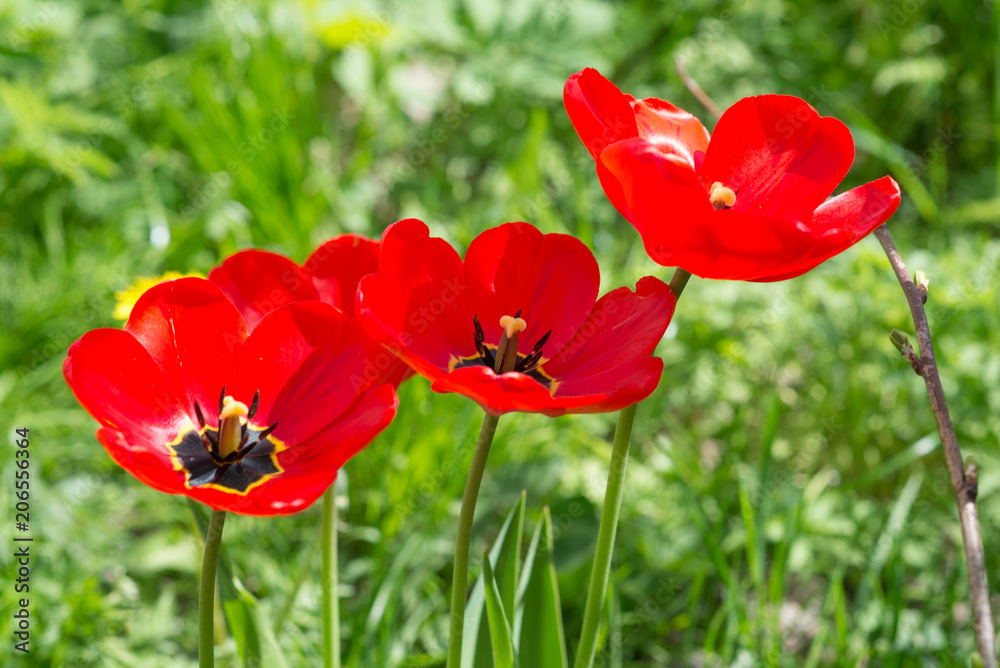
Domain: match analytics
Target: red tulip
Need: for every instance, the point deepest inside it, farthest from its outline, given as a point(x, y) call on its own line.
point(259, 281)
point(257, 423)
point(517, 326)
point(748, 204)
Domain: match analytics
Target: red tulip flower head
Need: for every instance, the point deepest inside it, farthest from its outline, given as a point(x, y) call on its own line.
point(257, 423)
point(517, 326)
point(748, 203)
point(258, 282)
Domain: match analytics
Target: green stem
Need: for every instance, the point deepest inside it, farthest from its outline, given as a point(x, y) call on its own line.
point(206, 602)
point(601, 570)
point(460, 576)
point(331, 607)
point(679, 281)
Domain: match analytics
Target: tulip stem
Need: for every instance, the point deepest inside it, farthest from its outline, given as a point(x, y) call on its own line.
point(679, 281)
point(206, 601)
point(460, 575)
point(601, 571)
point(331, 603)
point(964, 479)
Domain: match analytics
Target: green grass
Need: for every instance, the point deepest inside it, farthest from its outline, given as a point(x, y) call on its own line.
point(787, 503)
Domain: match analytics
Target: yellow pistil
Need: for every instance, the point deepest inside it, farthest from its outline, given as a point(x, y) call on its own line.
point(721, 196)
point(512, 325)
point(230, 425)
point(506, 361)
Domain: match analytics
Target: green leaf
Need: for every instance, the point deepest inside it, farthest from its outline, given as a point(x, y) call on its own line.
point(539, 622)
point(500, 636)
point(241, 609)
point(507, 566)
point(505, 557)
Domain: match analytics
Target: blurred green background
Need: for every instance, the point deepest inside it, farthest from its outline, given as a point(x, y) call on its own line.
point(150, 135)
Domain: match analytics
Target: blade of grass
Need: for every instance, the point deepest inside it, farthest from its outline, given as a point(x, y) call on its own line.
point(894, 528)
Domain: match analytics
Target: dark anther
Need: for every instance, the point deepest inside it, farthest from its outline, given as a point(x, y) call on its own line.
point(481, 348)
point(248, 439)
point(267, 432)
point(529, 362)
point(518, 314)
point(524, 364)
point(253, 405)
point(541, 341)
point(480, 337)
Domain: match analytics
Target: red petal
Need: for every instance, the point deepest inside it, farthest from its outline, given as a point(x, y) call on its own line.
point(509, 392)
point(337, 268)
point(843, 221)
point(599, 111)
point(310, 467)
point(615, 193)
point(671, 129)
point(858, 211)
point(665, 196)
point(258, 282)
point(146, 465)
point(116, 381)
point(779, 155)
point(387, 318)
point(416, 304)
point(338, 265)
point(623, 326)
point(309, 362)
point(553, 279)
point(736, 245)
point(623, 386)
point(194, 334)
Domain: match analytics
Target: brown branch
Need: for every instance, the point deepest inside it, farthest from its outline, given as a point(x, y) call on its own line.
point(964, 479)
point(695, 89)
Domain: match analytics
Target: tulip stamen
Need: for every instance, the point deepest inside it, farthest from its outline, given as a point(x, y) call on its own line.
point(504, 356)
point(481, 347)
point(233, 455)
point(201, 416)
point(721, 196)
point(529, 362)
